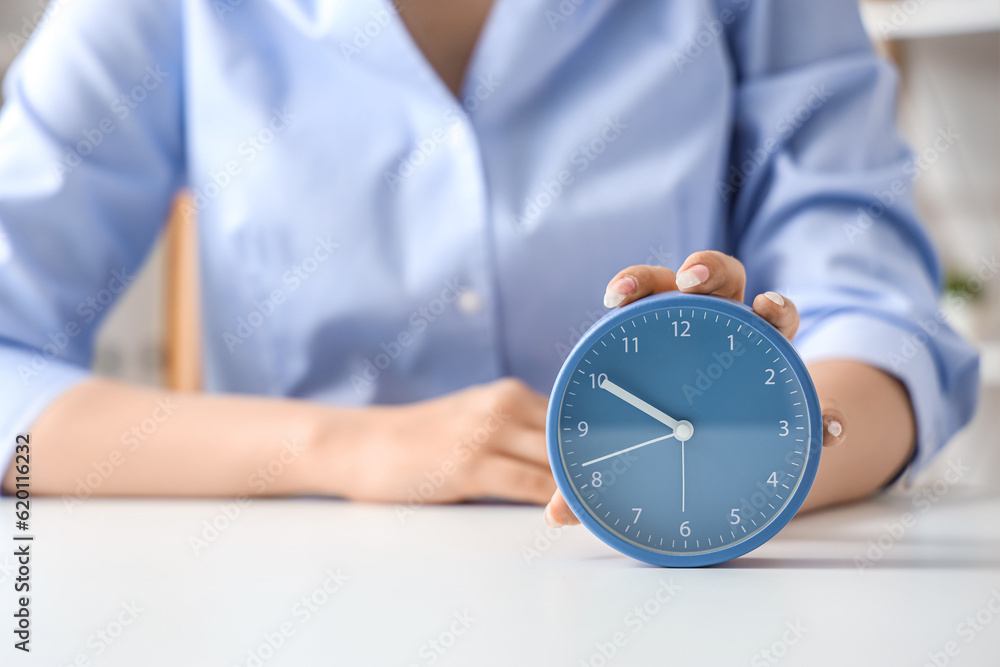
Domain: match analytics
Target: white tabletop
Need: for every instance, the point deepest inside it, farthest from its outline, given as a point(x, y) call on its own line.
point(118, 583)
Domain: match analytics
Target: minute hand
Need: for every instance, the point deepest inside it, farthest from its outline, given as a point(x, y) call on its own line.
point(637, 402)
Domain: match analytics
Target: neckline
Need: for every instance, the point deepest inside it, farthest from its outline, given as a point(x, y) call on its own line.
point(416, 59)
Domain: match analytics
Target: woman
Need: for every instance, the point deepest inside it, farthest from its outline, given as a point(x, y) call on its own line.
point(407, 212)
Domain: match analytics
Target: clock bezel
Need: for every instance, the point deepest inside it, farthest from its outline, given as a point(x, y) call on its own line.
point(730, 308)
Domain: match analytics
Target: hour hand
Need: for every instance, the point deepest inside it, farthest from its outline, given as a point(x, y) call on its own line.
point(683, 429)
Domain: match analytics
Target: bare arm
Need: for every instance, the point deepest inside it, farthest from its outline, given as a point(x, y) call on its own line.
point(879, 433)
point(107, 438)
point(158, 443)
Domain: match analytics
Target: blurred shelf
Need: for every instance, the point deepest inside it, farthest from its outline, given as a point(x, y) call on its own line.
point(912, 19)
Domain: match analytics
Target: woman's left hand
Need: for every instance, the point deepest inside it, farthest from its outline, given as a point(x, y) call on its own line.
point(706, 272)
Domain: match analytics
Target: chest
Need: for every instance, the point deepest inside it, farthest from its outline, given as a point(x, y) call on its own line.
point(446, 32)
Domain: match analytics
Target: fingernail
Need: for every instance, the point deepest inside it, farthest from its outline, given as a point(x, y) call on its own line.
point(775, 297)
point(692, 277)
point(550, 520)
point(618, 290)
point(834, 428)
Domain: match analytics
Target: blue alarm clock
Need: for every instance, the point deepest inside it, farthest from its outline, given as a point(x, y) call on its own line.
point(684, 430)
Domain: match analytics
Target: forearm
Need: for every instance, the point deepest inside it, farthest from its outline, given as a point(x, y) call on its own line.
point(108, 438)
point(880, 433)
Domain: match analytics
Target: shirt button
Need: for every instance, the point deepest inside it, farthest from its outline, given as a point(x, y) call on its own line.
point(470, 302)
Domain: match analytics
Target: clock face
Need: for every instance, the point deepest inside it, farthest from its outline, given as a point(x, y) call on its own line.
point(684, 430)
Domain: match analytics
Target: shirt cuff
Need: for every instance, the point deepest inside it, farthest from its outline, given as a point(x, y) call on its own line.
point(900, 353)
point(28, 384)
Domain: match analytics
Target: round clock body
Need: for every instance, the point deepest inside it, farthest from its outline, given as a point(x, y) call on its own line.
point(684, 430)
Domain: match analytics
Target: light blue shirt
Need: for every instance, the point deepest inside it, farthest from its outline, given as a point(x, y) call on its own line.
point(367, 238)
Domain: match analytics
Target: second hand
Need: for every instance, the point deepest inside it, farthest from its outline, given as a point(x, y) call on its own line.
point(629, 449)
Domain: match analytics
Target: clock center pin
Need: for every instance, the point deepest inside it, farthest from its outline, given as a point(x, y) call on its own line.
point(684, 430)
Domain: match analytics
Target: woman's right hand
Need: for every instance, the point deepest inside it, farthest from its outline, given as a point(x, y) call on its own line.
point(486, 441)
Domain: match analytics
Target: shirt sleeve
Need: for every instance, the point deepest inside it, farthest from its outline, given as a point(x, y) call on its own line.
point(819, 191)
point(90, 157)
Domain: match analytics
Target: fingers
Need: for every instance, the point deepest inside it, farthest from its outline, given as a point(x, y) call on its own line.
point(558, 513)
point(520, 422)
point(779, 311)
point(712, 272)
point(834, 423)
point(636, 282)
point(525, 444)
point(512, 479)
point(535, 410)
point(707, 272)
point(515, 465)
point(513, 399)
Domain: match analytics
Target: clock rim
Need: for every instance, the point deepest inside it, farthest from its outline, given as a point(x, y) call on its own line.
point(732, 308)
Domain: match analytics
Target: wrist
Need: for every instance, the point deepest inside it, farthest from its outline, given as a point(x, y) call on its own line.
point(335, 441)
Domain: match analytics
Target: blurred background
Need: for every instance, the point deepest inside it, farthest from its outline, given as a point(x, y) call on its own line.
point(948, 56)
